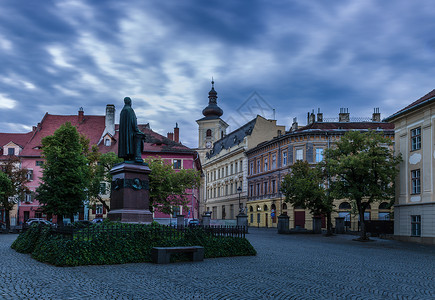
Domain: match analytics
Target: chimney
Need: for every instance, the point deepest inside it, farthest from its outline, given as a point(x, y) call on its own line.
point(33, 128)
point(81, 116)
point(294, 124)
point(312, 118)
point(176, 133)
point(376, 115)
point(110, 119)
point(319, 116)
point(343, 116)
point(170, 136)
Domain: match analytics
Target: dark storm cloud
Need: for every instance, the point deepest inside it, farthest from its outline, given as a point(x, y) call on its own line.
point(58, 56)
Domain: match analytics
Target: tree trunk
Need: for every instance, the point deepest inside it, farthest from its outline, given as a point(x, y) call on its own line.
point(60, 220)
point(328, 224)
point(7, 220)
point(363, 234)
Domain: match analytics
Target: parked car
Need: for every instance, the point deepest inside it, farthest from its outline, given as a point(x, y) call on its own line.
point(2, 225)
point(97, 221)
point(32, 221)
point(194, 222)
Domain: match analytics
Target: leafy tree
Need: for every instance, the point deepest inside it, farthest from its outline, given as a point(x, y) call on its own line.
point(304, 187)
point(364, 168)
point(65, 172)
point(11, 168)
point(100, 166)
point(168, 187)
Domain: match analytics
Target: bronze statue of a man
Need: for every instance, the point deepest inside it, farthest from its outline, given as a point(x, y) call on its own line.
point(130, 144)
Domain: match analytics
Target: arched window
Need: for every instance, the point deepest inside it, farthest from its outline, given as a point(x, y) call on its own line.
point(273, 206)
point(251, 209)
point(284, 206)
point(384, 205)
point(265, 207)
point(368, 206)
point(258, 208)
point(208, 132)
point(344, 205)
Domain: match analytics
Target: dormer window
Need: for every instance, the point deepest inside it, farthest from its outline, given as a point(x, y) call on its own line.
point(107, 142)
point(11, 151)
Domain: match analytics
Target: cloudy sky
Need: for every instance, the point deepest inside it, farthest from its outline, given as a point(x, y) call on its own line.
point(289, 56)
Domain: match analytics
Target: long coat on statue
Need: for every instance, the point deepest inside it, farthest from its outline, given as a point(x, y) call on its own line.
point(127, 131)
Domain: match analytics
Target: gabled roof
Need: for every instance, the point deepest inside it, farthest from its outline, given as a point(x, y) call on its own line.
point(92, 127)
point(233, 138)
point(428, 98)
point(20, 139)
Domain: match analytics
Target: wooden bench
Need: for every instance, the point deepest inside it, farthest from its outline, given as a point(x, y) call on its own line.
point(162, 255)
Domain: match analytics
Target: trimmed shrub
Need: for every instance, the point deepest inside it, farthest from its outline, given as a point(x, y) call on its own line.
point(133, 245)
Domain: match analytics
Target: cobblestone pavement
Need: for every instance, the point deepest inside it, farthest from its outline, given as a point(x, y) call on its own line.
point(286, 267)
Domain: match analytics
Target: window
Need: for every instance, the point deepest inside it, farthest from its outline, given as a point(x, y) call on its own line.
point(273, 161)
point(235, 167)
point(416, 138)
point(251, 190)
point(226, 190)
point(265, 165)
point(107, 142)
point(177, 164)
point(232, 187)
point(251, 168)
point(416, 225)
point(284, 159)
point(232, 169)
point(39, 163)
point(415, 182)
point(265, 188)
point(208, 133)
point(28, 197)
point(258, 189)
point(258, 166)
point(319, 154)
point(99, 209)
point(299, 154)
point(226, 171)
point(273, 186)
point(11, 151)
point(29, 175)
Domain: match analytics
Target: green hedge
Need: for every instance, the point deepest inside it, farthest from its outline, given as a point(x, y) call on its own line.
point(105, 248)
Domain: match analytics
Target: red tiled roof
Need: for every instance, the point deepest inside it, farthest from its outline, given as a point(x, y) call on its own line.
point(154, 143)
point(92, 127)
point(20, 139)
point(426, 97)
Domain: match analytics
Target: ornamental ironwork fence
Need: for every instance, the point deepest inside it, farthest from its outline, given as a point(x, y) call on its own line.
point(170, 231)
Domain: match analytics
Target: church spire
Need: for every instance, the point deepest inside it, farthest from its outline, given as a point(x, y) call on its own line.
point(212, 110)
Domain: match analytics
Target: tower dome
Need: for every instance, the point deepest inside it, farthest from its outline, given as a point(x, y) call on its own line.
point(212, 110)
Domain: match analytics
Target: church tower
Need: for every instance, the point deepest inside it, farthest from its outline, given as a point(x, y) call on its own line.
point(211, 127)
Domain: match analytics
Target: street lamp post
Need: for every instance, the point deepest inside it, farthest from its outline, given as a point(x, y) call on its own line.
point(239, 190)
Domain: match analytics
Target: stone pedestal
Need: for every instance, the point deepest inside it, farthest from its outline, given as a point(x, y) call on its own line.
point(130, 194)
point(242, 220)
point(339, 225)
point(283, 224)
point(180, 220)
point(317, 225)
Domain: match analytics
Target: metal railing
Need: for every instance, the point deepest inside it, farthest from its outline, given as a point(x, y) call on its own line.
point(169, 231)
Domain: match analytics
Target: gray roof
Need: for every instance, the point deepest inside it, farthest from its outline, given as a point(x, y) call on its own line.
point(232, 139)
